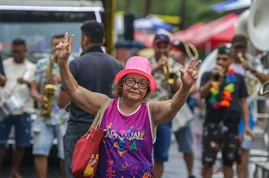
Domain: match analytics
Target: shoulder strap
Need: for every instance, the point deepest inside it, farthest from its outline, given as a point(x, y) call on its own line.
point(99, 116)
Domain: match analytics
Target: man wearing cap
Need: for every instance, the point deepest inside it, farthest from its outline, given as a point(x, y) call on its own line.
point(247, 66)
point(183, 134)
point(164, 91)
point(226, 95)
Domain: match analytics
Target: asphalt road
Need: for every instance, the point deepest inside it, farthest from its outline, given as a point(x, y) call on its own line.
point(174, 168)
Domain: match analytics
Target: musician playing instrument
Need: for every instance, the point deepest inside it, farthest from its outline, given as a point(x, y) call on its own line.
point(52, 121)
point(252, 69)
point(162, 67)
point(19, 72)
point(182, 52)
point(225, 94)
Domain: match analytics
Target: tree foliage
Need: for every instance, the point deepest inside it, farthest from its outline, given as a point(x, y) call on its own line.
point(196, 10)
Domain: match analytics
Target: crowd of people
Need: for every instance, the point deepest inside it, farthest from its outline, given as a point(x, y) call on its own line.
point(147, 98)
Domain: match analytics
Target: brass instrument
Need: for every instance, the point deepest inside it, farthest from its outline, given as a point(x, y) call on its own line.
point(172, 77)
point(48, 90)
point(265, 88)
point(251, 80)
point(257, 24)
point(188, 48)
point(219, 78)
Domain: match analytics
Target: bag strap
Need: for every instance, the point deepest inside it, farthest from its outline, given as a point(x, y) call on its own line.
point(99, 116)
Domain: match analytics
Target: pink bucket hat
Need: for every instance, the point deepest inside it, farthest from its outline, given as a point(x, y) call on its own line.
point(138, 65)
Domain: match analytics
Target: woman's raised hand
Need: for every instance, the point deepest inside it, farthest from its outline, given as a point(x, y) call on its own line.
point(64, 49)
point(190, 75)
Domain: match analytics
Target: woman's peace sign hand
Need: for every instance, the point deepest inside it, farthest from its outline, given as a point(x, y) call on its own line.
point(64, 49)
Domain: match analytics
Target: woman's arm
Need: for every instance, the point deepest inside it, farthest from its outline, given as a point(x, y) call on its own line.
point(63, 99)
point(164, 112)
point(88, 101)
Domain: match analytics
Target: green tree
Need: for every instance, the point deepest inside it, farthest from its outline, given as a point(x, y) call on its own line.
point(196, 10)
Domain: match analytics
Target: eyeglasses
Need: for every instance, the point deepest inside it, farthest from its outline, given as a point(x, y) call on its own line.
point(142, 84)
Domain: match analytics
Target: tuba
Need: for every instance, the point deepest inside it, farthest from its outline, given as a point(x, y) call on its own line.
point(258, 24)
point(48, 90)
point(258, 31)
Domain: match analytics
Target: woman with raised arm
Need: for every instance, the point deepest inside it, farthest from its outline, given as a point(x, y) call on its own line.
point(129, 122)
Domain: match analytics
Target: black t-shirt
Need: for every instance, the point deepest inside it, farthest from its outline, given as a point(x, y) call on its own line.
point(234, 112)
point(94, 71)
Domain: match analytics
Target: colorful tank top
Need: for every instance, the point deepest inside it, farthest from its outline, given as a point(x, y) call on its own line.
point(126, 150)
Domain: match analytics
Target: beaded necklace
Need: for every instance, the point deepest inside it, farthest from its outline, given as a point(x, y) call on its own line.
point(226, 97)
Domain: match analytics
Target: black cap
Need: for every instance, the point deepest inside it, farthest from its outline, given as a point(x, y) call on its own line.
point(239, 41)
point(179, 45)
point(161, 38)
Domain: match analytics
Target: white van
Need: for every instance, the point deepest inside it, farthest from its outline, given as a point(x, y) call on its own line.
point(37, 21)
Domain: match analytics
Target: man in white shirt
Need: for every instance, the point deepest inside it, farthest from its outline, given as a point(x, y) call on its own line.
point(19, 73)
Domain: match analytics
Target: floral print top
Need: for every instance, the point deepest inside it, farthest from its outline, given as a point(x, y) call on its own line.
point(58, 116)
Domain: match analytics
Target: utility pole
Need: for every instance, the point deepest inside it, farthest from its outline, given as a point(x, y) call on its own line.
point(110, 9)
point(147, 8)
point(182, 13)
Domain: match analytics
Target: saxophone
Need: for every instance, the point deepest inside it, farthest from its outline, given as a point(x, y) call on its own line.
point(48, 90)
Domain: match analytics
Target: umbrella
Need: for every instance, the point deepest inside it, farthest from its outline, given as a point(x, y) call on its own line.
point(232, 5)
point(216, 32)
point(151, 24)
point(219, 7)
point(188, 35)
point(210, 35)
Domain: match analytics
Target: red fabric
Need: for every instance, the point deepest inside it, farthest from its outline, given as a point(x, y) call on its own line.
point(145, 37)
point(188, 35)
point(217, 32)
point(176, 48)
point(86, 154)
point(201, 35)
